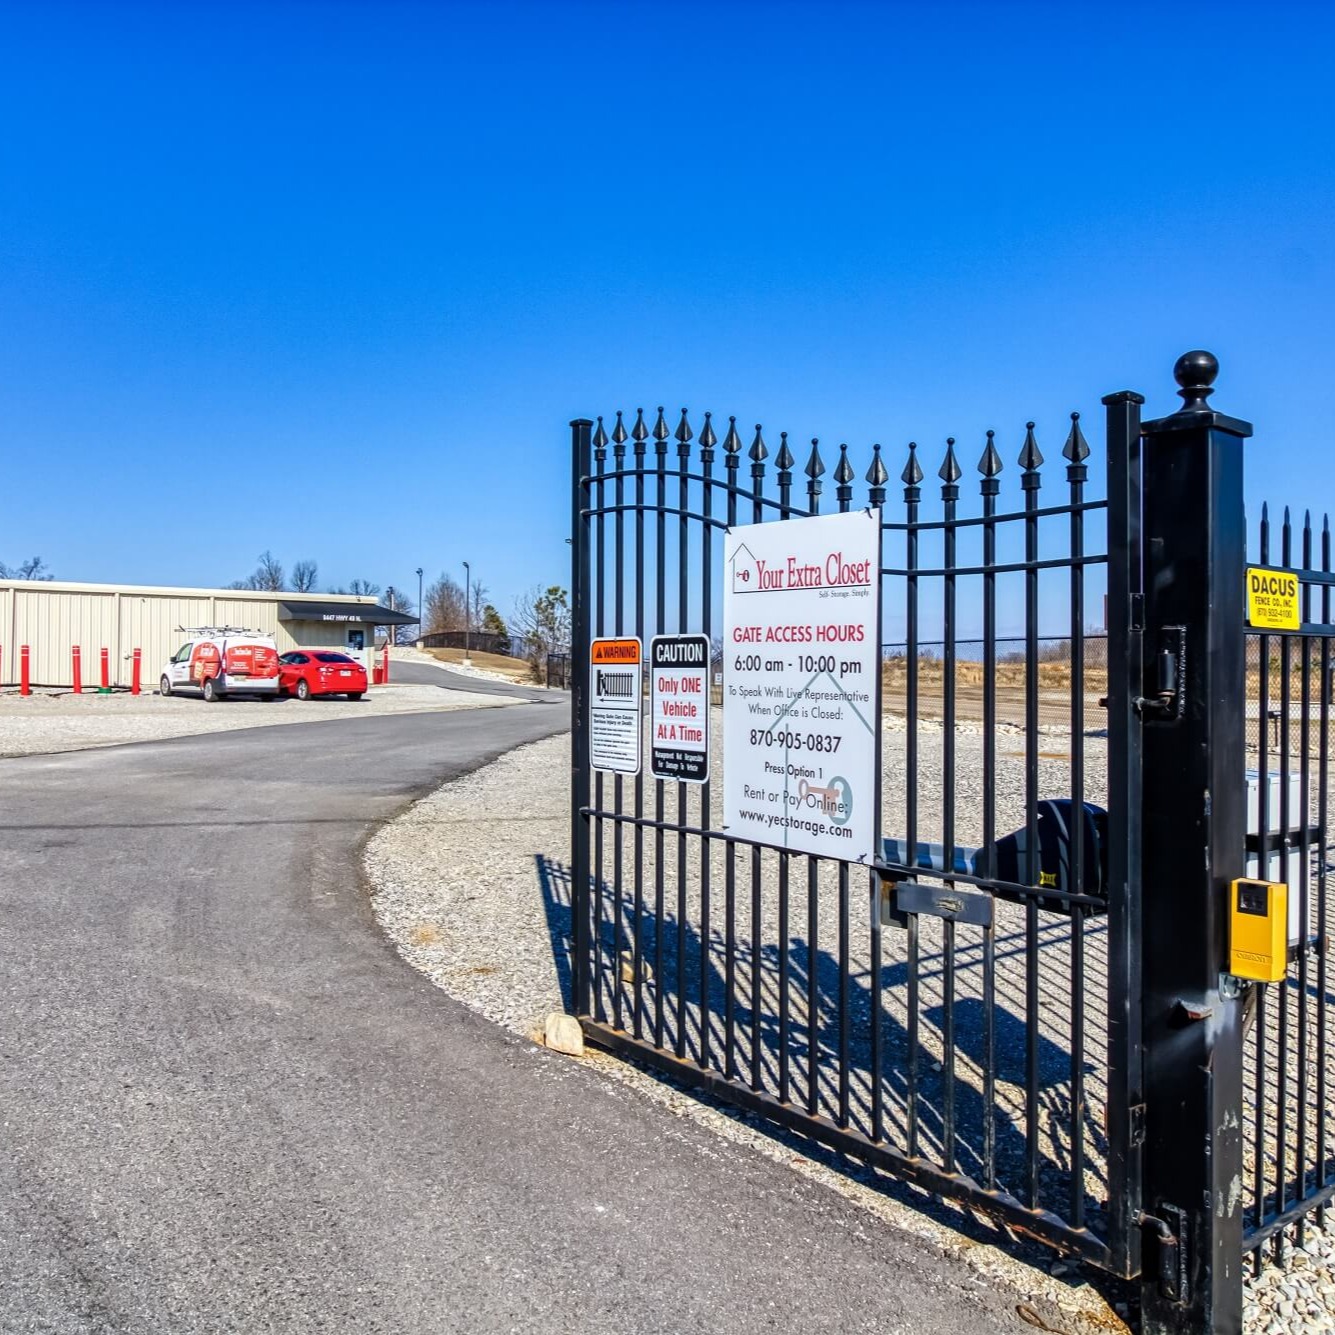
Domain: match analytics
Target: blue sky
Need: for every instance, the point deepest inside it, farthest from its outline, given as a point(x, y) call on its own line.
point(331, 279)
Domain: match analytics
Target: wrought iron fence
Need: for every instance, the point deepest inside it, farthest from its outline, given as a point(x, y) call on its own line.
point(1290, 1159)
point(971, 1055)
point(558, 672)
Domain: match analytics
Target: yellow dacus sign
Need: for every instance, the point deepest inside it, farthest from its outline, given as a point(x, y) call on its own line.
point(1272, 599)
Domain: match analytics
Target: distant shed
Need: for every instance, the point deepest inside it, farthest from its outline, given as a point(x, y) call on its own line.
point(51, 617)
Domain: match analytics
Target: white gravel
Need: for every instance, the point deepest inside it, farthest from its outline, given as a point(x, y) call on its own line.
point(47, 722)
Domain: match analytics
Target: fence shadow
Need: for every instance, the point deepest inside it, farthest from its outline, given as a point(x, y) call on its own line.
point(773, 1047)
point(554, 885)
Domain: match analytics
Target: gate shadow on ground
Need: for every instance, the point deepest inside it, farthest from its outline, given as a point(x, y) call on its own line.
point(554, 882)
point(684, 981)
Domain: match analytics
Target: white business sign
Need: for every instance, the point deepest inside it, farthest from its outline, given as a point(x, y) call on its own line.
point(679, 708)
point(801, 697)
point(616, 695)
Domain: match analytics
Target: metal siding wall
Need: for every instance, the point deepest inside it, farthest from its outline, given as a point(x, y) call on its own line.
point(9, 646)
point(52, 623)
point(251, 614)
point(149, 622)
point(51, 620)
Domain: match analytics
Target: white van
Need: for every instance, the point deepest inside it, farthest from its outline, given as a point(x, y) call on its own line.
point(223, 660)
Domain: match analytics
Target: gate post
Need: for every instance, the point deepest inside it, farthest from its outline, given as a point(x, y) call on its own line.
point(1126, 601)
point(1193, 826)
point(581, 444)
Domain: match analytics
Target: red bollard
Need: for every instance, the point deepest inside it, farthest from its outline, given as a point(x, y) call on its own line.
point(106, 673)
point(78, 670)
point(134, 673)
point(25, 684)
point(384, 672)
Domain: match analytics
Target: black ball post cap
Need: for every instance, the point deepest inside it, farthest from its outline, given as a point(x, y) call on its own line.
point(1195, 372)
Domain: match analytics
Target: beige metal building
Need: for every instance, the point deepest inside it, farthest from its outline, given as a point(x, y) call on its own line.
point(51, 617)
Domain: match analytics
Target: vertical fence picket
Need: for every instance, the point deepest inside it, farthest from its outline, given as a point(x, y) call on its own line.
point(1031, 460)
point(1076, 451)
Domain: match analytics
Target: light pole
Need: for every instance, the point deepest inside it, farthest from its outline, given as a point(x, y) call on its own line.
point(468, 614)
point(421, 629)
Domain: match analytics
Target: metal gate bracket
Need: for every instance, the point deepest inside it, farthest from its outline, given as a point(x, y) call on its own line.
point(1170, 677)
point(1137, 1124)
point(1172, 1253)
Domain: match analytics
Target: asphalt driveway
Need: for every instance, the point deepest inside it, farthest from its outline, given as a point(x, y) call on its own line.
point(227, 1105)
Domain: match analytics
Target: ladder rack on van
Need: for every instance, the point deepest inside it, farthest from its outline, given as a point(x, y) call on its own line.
point(219, 630)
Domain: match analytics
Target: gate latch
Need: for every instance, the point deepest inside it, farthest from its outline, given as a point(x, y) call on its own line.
point(1172, 1252)
point(1169, 700)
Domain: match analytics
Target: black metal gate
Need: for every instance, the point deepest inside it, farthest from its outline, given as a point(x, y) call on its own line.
point(1020, 1007)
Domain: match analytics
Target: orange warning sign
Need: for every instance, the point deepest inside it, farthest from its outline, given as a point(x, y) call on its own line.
point(615, 651)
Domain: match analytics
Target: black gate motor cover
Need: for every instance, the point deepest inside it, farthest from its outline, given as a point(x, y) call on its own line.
point(1055, 828)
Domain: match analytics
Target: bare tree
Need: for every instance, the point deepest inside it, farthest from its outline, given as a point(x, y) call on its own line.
point(399, 602)
point(269, 573)
point(267, 576)
point(541, 623)
point(304, 575)
point(479, 593)
point(33, 568)
point(444, 605)
point(360, 588)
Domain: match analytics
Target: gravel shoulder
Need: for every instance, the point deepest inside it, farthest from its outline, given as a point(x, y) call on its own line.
point(47, 723)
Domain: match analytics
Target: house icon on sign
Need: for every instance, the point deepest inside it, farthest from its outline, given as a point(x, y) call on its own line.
point(744, 578)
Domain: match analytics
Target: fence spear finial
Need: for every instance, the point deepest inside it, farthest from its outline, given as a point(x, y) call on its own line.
point(732, 442)
point(600, 437)
point(949, 472)
point(758, 452)
point(1031, 457)
point(843, 470)
point(1076, 448)
point(815, 464)
point(639, 431)
point(876, 474)
point(784, 463)
point(707, 437)
point(989, 464)
point(661, 431)
point(683, 432)
point(912, 473)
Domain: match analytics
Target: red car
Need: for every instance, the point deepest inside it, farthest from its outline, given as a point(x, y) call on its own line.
point(308, 672)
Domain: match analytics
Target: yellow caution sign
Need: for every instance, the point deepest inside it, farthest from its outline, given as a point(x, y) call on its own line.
point(1272, 599)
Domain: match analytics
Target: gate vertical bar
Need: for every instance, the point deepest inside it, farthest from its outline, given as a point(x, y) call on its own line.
point(580, 441)
point(1125, 936)
point(1194, 827)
